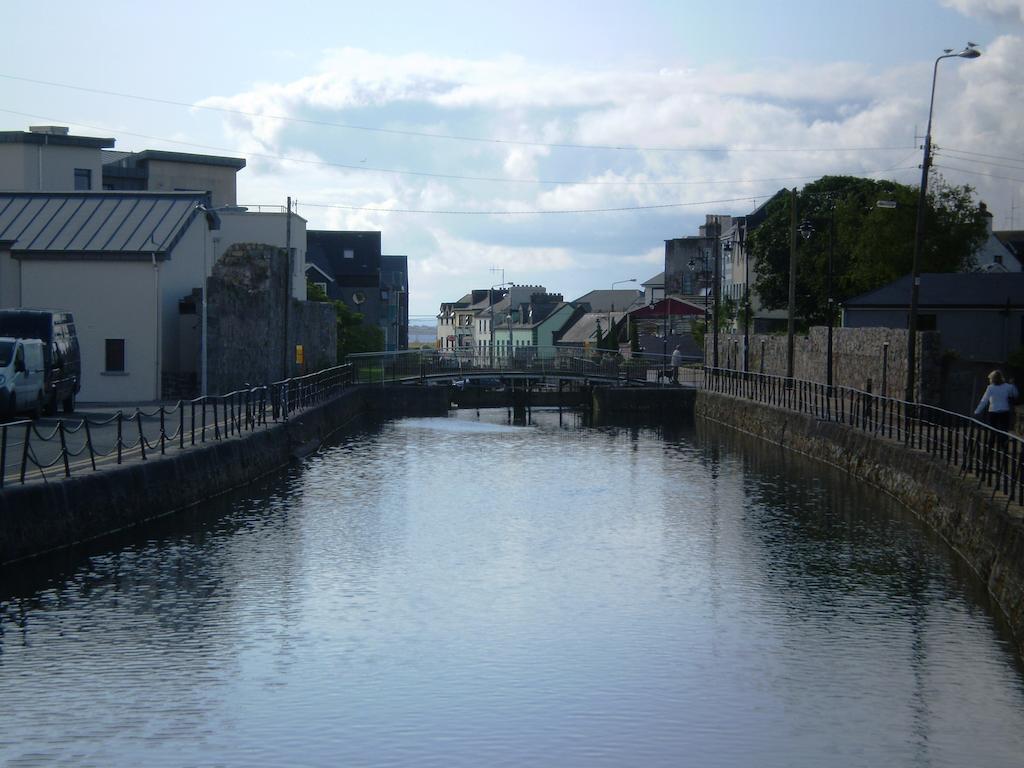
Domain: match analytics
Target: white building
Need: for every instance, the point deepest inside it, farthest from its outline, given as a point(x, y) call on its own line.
point(123, 260)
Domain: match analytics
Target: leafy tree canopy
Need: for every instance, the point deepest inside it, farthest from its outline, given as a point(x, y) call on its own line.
point(873, 246)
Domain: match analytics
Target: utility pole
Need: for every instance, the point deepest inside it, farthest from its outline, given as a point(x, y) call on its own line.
point(717, 233)
point(287, 283)
point(792, 286)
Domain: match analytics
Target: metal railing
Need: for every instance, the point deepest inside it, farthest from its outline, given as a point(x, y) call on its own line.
point(543, 362)
point(28, 449)
point(994, 457)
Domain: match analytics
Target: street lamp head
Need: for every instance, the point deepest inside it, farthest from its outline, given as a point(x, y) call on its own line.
point(806, 229)
point(970, 52)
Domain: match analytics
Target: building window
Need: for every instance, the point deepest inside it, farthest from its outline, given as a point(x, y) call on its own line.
point(348, 253)
point(322, 287)
point(83, 178)
point(927, 322)
point(114, 356)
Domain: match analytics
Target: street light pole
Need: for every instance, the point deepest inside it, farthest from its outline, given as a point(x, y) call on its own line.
point(969, 52)
point(829, 303)
point(717, 229)
point(704, 279)
point(490, 304)
point(792, 288)
point(746, 299)
point(620, 282)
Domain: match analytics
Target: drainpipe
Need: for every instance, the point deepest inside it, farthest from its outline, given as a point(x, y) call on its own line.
point(156, 323)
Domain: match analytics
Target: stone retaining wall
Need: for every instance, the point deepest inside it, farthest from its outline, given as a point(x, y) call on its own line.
point(859, 356)
point(988, 537)
point(42, 517)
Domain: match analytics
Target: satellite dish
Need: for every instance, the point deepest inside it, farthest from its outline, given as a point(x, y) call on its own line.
point(358, 297)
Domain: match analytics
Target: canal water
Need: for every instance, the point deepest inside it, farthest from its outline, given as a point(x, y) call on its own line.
point(464, 592)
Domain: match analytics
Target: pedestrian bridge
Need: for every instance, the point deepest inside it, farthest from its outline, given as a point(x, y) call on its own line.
point(526, 367)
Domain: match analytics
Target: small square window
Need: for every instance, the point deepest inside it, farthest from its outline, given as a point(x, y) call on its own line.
point(349, 254)
point(114, 356)
point(83, 178)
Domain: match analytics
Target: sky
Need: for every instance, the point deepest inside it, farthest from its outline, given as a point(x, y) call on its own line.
point(546, 143)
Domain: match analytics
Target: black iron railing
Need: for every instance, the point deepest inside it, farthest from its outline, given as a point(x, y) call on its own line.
point(29, 450)
point(994, 457)
point(540, 361)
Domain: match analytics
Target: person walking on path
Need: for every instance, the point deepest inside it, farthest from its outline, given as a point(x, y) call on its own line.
point(677, 361)
point(998, 401)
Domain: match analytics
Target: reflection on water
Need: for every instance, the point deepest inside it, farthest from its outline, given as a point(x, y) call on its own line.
point(463, 591)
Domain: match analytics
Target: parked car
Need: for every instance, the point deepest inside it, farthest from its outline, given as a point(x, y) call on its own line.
point(484, 382)
point(22, 379)
point(61, 355)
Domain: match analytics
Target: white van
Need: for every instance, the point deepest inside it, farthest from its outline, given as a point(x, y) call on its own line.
point(22, 376)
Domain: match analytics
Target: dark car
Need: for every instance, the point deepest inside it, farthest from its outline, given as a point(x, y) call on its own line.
point(484, 382)
point(61, 355)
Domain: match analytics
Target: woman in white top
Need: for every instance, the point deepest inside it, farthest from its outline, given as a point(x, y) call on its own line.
point(999, 398)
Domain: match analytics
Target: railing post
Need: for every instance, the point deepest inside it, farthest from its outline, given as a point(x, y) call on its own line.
point(163, 432)
point(142, 437)
point(88, 442)
point(3, 454)
point(24, 453)
point(64, 448)
point(120, 433)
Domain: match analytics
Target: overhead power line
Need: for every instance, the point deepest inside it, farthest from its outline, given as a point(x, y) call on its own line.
point(981, 154)
point(751, 198)
point(977, 173)
point(427, 174)
point(974, 161)
point(431, 135)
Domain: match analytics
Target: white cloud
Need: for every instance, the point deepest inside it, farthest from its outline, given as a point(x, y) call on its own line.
point(999, 10)
point(846, 111)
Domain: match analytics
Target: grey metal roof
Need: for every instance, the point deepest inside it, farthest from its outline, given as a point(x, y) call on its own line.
point(607, 300)
point(952, 289)
point(83, 224)
point(657, 280)
point(585, 329)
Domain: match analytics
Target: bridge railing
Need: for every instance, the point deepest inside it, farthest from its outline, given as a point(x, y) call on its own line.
point(541, 361)
point(29, 449)
point(991, 456)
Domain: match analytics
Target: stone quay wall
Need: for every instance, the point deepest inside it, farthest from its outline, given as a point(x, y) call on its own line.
point(37, 518)
point(988, 537)
point(862, 358)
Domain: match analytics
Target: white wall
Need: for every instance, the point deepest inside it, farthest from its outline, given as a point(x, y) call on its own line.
point(110, 300)
point(20, 166)
point(185, 270)
point(13, 174)
point(10, 280)
point(219, 180)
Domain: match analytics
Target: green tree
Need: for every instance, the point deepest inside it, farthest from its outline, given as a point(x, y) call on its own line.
point(873, 246)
